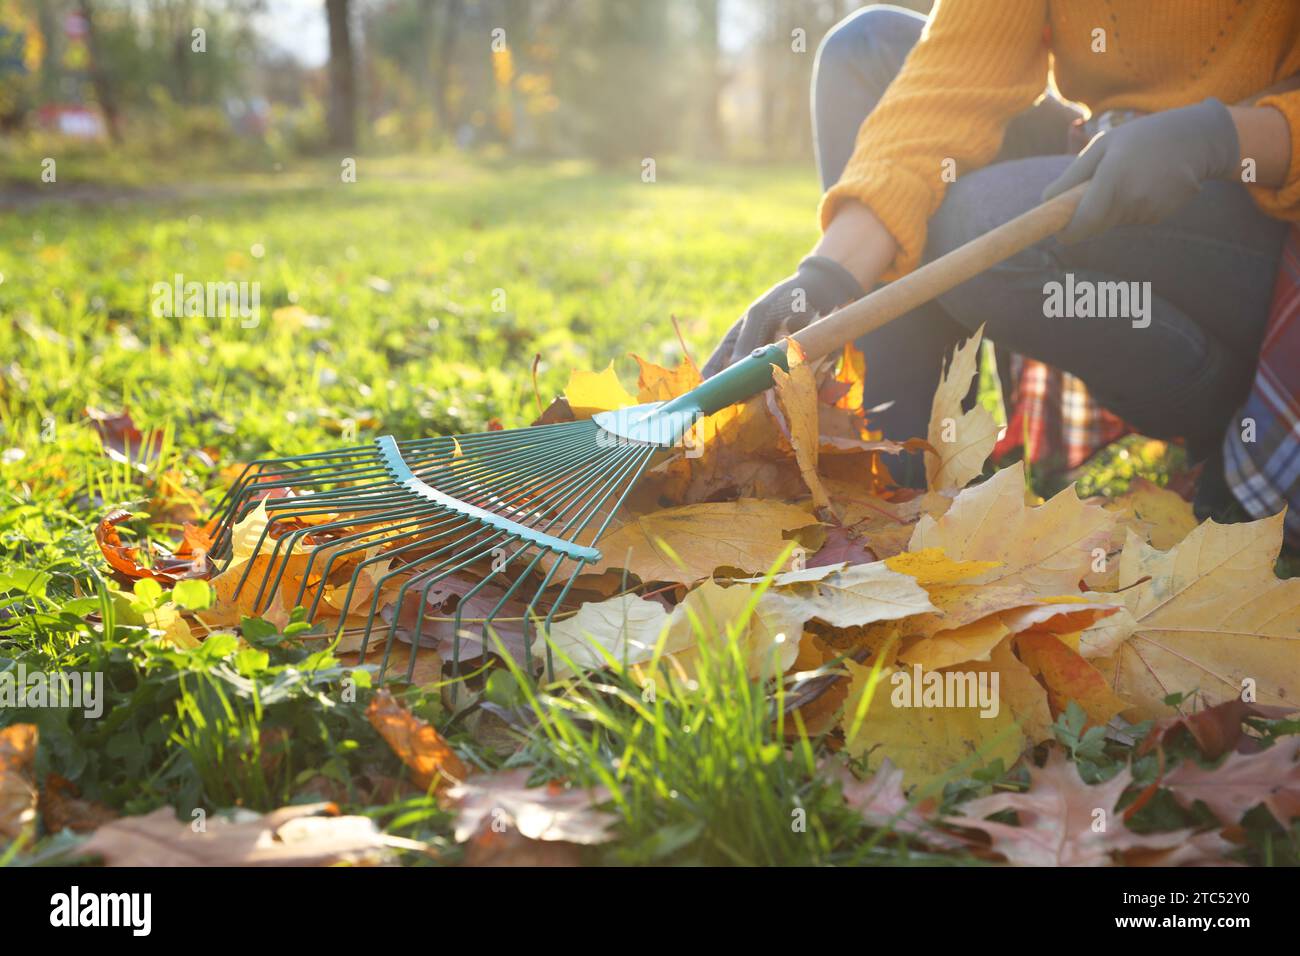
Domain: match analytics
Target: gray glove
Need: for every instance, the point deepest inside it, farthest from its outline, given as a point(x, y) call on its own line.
point(1143, 170)
point(818, 287)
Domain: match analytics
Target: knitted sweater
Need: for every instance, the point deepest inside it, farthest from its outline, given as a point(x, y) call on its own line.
point(980, 62)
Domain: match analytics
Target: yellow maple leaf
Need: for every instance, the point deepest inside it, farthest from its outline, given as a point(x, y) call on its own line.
point(655, 383)
point(1047, 550)
point(1211, 618)
point(796, 393)
point(688, 543)
point(962, 441)
point(929, 743)
point(591, 392)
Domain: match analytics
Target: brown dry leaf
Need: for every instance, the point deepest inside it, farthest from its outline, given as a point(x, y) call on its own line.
point(1063, 821)
point(961, 441)
point(796, 393)
point(122, 440)
point(432, 761)
point(62, 808)
point(1243, 781)
point(816, 689)
point(1216, 729)
point(1212, 618)
point(428, 664)
point(842, 546)
point(509, 847)
point(17, 788)
point(443, 600)
point(881, 801)
point(688, 543)
point(165, 568)
point(306, 835)
point(1047, 550)
point(550, 812)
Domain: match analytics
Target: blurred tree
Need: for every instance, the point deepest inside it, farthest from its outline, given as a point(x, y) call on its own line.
point(100, 75)
point(342, 112)
point(618, 75)
point(713, 137)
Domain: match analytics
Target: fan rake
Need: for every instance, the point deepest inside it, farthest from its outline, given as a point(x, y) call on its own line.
point(512, 509)
point(488, 533)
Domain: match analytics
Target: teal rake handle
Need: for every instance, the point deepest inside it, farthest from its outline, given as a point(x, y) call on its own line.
point(736, 383)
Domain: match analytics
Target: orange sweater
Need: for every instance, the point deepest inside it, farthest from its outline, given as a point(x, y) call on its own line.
point(980, 62)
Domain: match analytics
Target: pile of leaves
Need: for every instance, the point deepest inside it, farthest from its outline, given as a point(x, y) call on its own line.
point(1161, 655)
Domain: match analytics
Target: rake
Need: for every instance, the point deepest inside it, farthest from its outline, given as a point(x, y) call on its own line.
point(487, 533)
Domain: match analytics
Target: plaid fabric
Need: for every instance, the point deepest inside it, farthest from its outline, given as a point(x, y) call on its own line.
point(1261, 450)
point(1055, 420)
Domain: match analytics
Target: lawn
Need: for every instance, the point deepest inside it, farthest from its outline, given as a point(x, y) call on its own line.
point(412, 302)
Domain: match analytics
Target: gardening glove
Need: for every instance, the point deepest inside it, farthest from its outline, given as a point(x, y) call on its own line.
point(1143, 170)
point(818, 287)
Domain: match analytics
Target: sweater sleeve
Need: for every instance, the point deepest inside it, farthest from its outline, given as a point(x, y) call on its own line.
point(1284, 201)
point(976, 66)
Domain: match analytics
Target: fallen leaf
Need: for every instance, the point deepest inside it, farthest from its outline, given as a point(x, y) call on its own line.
point(1047, 549)
point(690, 542)
point(961, 440)
point(122, 440)
point(1211, 617)
point(1243, 781)
point(928, 743)
point(1068, 677)
point(17, 788)
point(882, 803)
point(1216, 730)
point(1159, 516)
point(550, 812)
point(304, 835)
point(432, 762)
point(770, 634)
point(1062, 820)
point(165, 568)
point(591, 392)
point(796, 394)
point(62, 808)
point(849, 596)
point(658, 384)
point(627, 627)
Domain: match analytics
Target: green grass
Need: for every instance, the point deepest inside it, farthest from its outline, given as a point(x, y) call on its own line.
point(426, 289)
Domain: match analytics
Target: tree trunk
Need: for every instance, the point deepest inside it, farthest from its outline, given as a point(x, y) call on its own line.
point(99, 77)
point(442, 69)
point(714, 136)
point(342, 116)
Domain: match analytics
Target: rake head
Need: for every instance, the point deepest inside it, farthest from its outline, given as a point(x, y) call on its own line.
point(459, 542)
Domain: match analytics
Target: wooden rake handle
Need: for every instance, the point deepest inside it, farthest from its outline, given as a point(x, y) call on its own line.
point(935, 278)
point(887, 303)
